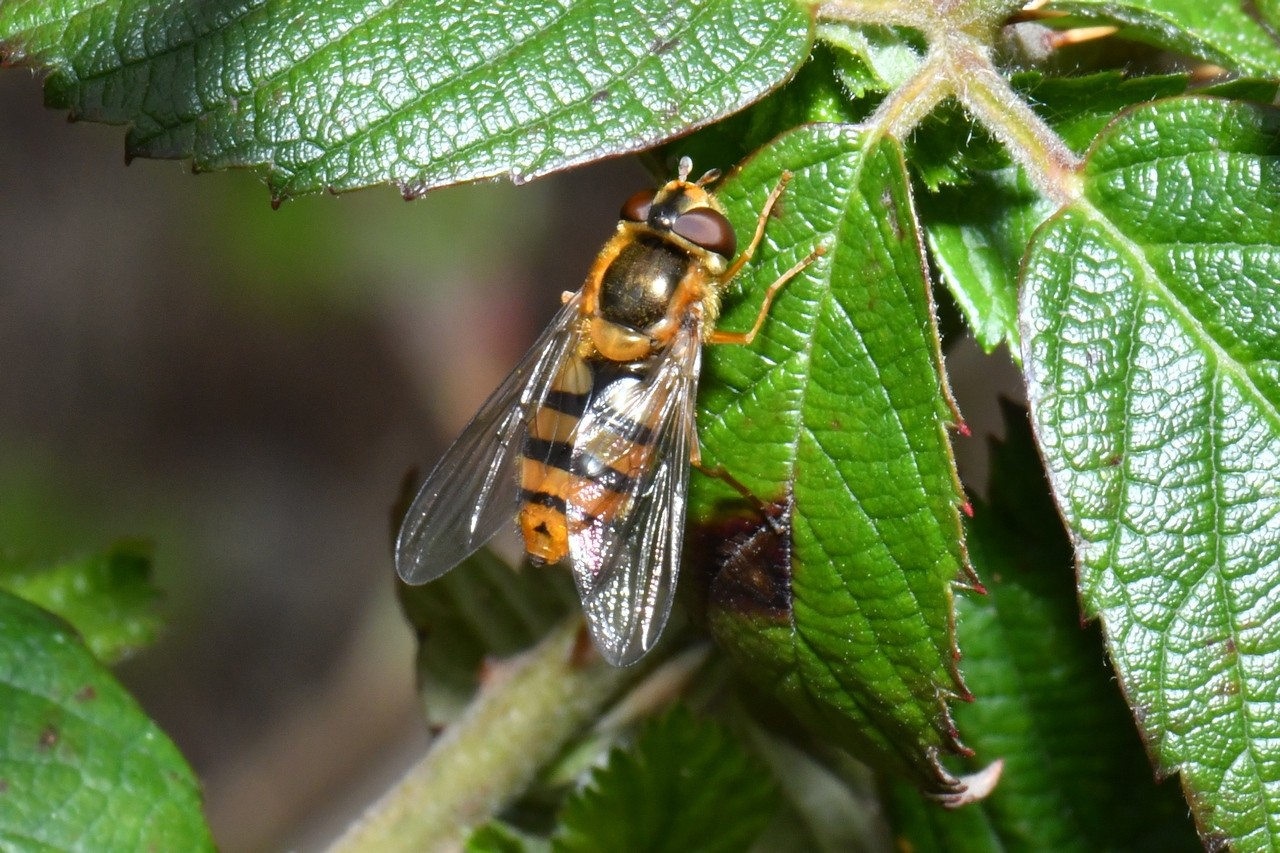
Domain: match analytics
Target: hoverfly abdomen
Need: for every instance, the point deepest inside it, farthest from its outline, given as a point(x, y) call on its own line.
point(567, 483)
point(546, 479)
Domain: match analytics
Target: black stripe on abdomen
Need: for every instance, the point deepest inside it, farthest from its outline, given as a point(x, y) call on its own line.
point(567, 402)
point(543, 499)
point(557, 454)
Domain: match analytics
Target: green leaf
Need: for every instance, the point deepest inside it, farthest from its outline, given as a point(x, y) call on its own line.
point(838, 417)
point(979, 230)
point(977, 236)
point(107, 597)
point(874, 59)
point(1222, 33)
point(481, 609)
point(1151, 349)
point(1270, 11)
point(683, 785)
point(81, 767)
point(340, 95)
point(816, 94)
point(1075, 777)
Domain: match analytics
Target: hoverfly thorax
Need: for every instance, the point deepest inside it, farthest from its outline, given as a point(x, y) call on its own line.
point(588, 442)
point(672, 247)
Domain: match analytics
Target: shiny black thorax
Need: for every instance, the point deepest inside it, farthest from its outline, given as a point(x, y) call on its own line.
point(638, 286)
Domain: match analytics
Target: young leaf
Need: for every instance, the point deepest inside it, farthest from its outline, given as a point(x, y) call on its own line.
point(979, 230)
point(81, 767)
point(874, 59)
point(1075, 776)
point(1151, 340)
point(107, 597)
point(339, 95)
point(978, 235)
point(839, 415)
point(683, 785)
point(1222, 33)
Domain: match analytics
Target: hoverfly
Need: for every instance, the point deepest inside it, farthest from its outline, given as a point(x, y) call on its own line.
point(588, 442)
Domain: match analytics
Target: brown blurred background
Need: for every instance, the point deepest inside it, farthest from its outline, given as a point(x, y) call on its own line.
point(246, 388)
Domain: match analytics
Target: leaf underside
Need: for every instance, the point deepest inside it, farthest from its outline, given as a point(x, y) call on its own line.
point(420, 94)
point(1152, 348)
point(1075, 777)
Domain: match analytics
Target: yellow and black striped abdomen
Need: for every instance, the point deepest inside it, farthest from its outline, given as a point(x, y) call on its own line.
point(581, 458)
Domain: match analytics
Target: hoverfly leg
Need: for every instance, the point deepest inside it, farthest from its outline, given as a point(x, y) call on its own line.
point(720, 473)
point(760, 223)
point(721, 337)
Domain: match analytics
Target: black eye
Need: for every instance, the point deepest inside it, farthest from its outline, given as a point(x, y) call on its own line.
point(704, 227)
point(636, 208)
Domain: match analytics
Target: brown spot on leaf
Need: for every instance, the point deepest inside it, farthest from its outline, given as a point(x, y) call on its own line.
point(86, 694)
point(744, 555)
point(661, 46)
point(1216, 843)
point(48, 737)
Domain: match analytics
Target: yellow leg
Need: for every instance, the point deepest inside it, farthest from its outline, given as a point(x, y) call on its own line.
point(720, 337)
point(760, 223)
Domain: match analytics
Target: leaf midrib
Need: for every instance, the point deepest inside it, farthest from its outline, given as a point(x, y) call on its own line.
point(1194, 329)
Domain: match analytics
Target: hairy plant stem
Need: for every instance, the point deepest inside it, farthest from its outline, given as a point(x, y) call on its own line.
point(959, 65)
point(910, 103)
point(1051, 166)
point(518, 723)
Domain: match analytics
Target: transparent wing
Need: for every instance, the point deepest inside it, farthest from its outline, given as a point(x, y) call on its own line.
point(626, 562)
point(474, 489)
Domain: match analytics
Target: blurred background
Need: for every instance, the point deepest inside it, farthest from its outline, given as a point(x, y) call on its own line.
point(247, 388)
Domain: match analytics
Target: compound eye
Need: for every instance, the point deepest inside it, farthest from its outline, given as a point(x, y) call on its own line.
point(636, 208)
point(705, 227)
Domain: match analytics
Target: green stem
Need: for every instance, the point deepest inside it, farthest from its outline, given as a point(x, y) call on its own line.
point(909, 104)
point(517, 724)
point(893, 13)
point(1049, 163)
point(959, 64)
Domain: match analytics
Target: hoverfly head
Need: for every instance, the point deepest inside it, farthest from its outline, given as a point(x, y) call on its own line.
point(685, 208)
